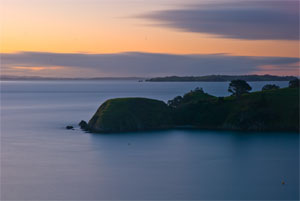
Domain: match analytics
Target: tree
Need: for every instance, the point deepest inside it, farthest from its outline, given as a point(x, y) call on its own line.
point(294, 83)
point(239, 87)
point(270, 87)
point(175, 102)
point(198, 89)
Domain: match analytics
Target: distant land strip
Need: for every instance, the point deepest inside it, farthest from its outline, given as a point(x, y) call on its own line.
point(206, 78)
point(222, 78)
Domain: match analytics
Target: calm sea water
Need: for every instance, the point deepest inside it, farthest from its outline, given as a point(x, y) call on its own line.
point(40, 160)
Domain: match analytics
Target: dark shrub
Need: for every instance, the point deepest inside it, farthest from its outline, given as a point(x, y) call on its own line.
point(294, 83)
point(270, 87)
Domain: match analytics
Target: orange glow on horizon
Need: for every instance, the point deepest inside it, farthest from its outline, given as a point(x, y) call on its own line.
point(292, 69)
point(154, 40)
point(38, 68)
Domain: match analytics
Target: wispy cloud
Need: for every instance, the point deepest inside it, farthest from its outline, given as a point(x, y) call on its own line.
point(247, 19)
point(141, 64)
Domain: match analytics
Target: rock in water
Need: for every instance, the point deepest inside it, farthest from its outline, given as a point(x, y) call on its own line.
point(69, 127)
point(130, 114)
point(83, 125)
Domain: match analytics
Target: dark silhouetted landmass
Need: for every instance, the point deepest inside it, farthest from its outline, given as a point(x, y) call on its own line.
point(222, 78)
point(269, 110)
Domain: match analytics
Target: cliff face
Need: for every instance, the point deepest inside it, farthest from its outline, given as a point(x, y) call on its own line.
point(273, 110)
point(130, 114)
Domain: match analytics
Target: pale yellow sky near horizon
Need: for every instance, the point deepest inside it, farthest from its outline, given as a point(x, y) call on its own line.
point(112, 26)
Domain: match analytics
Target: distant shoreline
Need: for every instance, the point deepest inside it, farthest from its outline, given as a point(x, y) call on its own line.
point(207, 78)
point(222, 78)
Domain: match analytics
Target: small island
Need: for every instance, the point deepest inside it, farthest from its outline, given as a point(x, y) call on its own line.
point(221, 78)
point(272, 109)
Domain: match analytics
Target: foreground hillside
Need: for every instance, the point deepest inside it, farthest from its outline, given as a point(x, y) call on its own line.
point(258, 111)
point(272, 110)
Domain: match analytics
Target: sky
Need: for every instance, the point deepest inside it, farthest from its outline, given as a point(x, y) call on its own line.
point(121, 38)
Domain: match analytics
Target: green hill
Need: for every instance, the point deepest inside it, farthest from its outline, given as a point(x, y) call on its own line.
point(272, 110)
point(130, 114)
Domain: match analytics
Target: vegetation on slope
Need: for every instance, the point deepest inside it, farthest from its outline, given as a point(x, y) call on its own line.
point(268, 110)
point(259, 111)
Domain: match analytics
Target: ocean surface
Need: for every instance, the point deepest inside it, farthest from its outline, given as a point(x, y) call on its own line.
point(41, 160)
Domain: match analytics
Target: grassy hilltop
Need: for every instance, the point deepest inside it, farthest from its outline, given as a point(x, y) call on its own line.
point(130, 114)
point(270, 110)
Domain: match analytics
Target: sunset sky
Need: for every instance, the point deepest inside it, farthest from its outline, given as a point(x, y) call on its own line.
point(94, 38)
